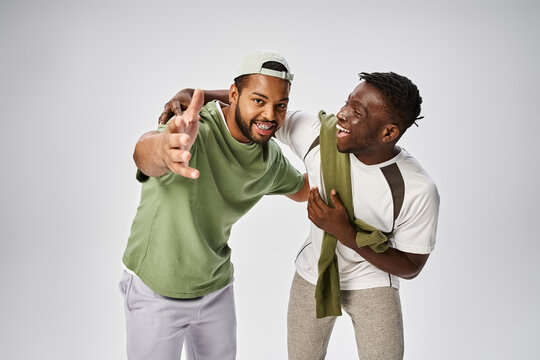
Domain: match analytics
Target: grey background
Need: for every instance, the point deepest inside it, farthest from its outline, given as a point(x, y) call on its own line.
point(81, 81)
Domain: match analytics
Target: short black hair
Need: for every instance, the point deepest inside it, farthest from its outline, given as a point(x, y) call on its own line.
point(240, 81)
point(402, 98)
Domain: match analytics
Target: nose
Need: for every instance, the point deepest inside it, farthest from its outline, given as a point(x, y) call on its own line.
point(341, 114)
point(269, 113)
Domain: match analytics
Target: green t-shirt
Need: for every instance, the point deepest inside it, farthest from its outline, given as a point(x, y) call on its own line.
point(178, 241)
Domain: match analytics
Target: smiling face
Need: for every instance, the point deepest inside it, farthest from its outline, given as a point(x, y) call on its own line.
point(364, 127)
point(260, 108)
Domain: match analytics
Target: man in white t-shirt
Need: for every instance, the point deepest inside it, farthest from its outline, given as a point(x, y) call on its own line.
point(390, 191)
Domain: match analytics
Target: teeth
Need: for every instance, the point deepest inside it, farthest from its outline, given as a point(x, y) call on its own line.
point(265, 126)
point(340, 128)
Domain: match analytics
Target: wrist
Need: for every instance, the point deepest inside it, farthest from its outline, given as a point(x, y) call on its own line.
point(348, 237)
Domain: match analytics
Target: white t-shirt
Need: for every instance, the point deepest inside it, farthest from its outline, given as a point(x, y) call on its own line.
point(415, 226)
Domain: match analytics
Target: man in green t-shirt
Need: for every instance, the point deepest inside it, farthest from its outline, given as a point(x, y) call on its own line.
point(200, 173)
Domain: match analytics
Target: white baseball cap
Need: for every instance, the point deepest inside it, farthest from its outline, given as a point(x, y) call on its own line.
point(252, 64)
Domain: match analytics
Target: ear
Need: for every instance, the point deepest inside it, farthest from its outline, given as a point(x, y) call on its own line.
point(233, 95)
point(390, 133)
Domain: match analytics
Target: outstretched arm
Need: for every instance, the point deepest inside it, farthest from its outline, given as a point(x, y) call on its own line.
point(182, 99)
point(158, 153)
point(335, 221)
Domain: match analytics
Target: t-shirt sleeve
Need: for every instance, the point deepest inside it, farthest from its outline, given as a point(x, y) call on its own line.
point(298, 131)
point(140, 176)
point(287, 179)
point(417, 229)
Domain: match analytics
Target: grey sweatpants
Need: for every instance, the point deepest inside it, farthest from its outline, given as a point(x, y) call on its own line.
point(375, 314)
point(157, 326)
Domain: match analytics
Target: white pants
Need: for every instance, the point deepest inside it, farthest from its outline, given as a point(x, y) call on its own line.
point(157, 326)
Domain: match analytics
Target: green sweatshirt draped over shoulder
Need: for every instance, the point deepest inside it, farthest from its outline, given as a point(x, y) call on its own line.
point(336, 170)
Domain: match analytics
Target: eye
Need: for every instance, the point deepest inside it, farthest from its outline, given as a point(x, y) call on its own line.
point(258, 101)
point(281, 106)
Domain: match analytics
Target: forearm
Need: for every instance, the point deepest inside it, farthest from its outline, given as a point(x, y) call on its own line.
point(148, 154)
point(393, 261)
point(221, 95)
point(303, 194)
point(211, 95)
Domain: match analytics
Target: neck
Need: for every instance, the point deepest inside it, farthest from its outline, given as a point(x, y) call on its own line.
point(379, 156)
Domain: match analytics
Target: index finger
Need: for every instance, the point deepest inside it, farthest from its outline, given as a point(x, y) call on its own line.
point(316, 195)
point(315, 199)
point(197, 102)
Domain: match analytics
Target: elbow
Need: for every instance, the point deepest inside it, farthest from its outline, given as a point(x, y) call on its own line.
point(302, 196)
point(298, 197)
point(410, 276)
point(413, 266)
point(412, 273)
